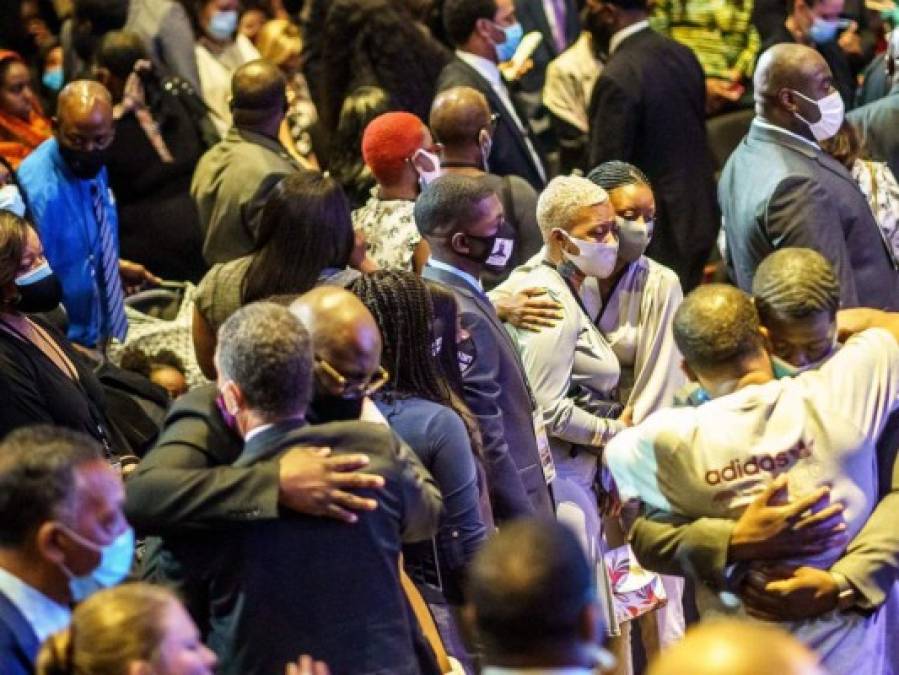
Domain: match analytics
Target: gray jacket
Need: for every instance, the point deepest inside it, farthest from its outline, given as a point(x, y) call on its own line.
point(778, 191)
point(230, 186)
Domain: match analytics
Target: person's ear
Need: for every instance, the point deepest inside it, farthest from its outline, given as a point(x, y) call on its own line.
point(558, 237)
point(787, 100)
point(46, 543)
point(139, 668)
point(487, 29)
point(688, 371)
point(459, 243)
point(766, 339)
point(232, 397)
point(484, 138)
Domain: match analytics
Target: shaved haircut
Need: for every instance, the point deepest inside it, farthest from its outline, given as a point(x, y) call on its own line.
point(458, 115)
point(783, 66)
point(81, 97)
point(716, 327)
point(795, 283)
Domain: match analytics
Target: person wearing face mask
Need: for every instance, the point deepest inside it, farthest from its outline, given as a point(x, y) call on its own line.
point(486, 33)
point(462, 219)
point(67, 188)
point(11, 198)
point(398, 149)
point(463, 124)
point(817, 24)
point(63, 535)
point(266, 361)
point(219, 51)
point(780, 189)
point(45, 379)
point(571, 367)
point(758, 431)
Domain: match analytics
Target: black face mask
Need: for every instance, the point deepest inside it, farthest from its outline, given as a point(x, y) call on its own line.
point(493, 252)
point(39, 291)
point(85, 165)
point(330, 408)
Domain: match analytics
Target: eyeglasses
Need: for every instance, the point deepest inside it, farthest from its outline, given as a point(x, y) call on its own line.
point(349, 388)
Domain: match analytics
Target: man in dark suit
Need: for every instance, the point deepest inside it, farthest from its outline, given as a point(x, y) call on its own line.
point(780, 189)
point(462, 219)
point(483, 31)
point(878, 122)
point(558, 22)
point(648, 108)
point(333, 588)
point(60, 503)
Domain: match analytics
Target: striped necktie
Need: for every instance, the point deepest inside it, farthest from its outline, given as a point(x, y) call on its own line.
point(114, 297)
point(559, 33)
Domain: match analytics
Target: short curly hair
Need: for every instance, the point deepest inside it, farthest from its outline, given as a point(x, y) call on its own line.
point(563, 199)
point(716, 326)
point(267, 353)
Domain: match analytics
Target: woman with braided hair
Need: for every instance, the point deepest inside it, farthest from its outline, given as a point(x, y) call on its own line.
point(421, 406)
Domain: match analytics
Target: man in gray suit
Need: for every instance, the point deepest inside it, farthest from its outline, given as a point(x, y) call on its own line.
point(878, 122)
point(780, 189)
point(462, 219)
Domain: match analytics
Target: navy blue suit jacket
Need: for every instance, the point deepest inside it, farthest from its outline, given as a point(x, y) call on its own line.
point(18, 643)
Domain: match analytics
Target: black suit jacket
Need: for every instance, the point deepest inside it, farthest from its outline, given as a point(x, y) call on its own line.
point(532, 17)
point(264, 591)
point(648, 108)
point(497, 391)
point(509, 154)
point(18, 643)
point(878, 126)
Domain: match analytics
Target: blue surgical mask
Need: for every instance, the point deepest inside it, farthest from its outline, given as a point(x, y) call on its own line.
point(505, 50)
point(823, 30)
point(223, 25)
point(53, 79)
point(115, 563)
point(11, 200)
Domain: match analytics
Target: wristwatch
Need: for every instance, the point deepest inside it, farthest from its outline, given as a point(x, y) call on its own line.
point(846, 594)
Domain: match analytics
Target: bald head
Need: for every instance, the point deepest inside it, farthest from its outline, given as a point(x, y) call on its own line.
point(458, 115)
point(736, 648)
point(258, 94)
point(84, 101)
point(344, 333)
point(716, 328)
point(785, 66)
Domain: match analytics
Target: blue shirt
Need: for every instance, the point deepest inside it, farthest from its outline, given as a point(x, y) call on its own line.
point(63, 211)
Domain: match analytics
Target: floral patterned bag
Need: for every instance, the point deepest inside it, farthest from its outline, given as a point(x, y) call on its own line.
point(635, 591)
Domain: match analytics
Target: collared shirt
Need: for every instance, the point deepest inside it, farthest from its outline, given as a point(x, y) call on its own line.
point(63, 210)
point(490, 72)
point(44, 615)
point(758, 121)
point(625, 33)
point(465, 276)
point(573, 670)
point(256, 431)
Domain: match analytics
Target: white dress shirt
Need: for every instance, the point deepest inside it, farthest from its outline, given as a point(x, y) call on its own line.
point(45, 616)
point(758, 121)
point(472, 281)
point(625, 33)
point(490, 72)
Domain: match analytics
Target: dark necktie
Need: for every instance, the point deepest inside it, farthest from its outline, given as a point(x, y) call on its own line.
point(114, 296)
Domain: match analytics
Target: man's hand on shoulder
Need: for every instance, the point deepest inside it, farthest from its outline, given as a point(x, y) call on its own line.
point(311, 481)
point(769, 529)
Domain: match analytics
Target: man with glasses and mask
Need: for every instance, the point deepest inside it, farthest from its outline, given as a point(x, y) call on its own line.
point(331, 590)
point(462, 219)
point(67, 189)
point(779, 188)
point(62, 535)
point(461, 120)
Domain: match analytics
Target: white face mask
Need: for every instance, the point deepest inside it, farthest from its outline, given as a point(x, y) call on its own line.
point(595, 259)
point(633, 238)
point(11, 200)
point(832, 111)
point(421, 159)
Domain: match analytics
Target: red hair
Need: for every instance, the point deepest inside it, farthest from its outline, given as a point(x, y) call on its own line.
point(389, 140)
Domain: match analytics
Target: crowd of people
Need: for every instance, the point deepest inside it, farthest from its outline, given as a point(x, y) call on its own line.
point(449, 336)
